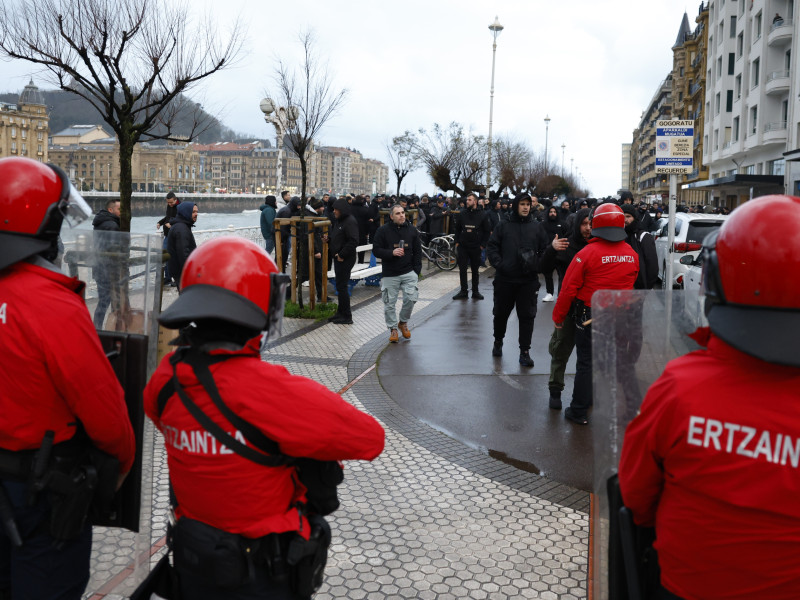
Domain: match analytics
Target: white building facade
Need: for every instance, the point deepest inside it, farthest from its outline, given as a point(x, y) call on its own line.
point(751, 105)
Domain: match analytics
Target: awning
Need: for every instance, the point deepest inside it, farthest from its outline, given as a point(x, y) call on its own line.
point(741, 184)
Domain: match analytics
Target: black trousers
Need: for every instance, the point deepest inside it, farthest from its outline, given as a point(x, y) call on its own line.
point(261, 588)
point(469, 256)
point(582, 391)
point(41, 568)
point(548, 281)
point(342, 271)
point(523, 296)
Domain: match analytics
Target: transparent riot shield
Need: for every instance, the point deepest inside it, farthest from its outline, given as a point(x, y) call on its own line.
point(634, 334)
point(123, 274)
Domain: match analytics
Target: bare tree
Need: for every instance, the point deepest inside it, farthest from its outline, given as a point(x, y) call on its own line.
point(455, 159)
point(402, 156)
point(130, 59)
point(512, 160)
point(311, 98)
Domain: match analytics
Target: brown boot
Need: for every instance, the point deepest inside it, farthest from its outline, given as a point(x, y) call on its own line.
point(393, 337)
point(403, 327)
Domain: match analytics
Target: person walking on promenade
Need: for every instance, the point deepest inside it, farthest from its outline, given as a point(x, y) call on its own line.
point(290, 208)
point(515, 249)
point(172, 212)
point(606, 263)
point(472, 234)
point(103, 272)
point(180, 242)
point(560, 253)
point(247, 502)
point(343, 244)
point(711, 460)
point(269, 211)
point(59, 393)
point(398, 246)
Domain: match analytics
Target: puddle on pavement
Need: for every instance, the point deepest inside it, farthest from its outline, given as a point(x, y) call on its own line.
point(515, 462)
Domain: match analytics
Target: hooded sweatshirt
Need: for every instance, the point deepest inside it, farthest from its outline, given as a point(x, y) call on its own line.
point(180, 241)
point(344, 232)
point(511, 241)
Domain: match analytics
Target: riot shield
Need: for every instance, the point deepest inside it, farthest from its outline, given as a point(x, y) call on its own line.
point(123, 274)
point(634, 334)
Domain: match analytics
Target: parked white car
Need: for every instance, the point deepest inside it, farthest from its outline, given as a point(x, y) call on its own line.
point(690, 230)
point(694, 298)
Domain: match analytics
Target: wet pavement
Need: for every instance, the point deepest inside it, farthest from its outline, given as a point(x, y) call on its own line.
point(446, 377)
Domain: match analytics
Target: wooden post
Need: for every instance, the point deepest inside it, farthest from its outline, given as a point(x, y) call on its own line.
point(312, 295)
point(294, 261)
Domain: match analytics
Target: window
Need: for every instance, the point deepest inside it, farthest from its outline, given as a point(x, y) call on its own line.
point(785, 111)
point(680, 96)
point(716, 103)
point(716, 139)
point(719, 67)
point(40, 136)
point(776, 167)
point(735, 129)
point(681, 71)
point(721, 32)
point(24, 133)
point(729, 101)
point(40, 149)
point(732, 33)
point(756, 69)
point(753, 120)
point(739, 45)
point(14, 147)
point(13, 132)
point(757, 27)
point(738, 86)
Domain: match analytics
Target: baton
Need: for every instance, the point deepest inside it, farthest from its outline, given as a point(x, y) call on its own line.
point(585, 323)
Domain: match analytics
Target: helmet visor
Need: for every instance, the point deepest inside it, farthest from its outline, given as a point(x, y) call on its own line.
point(73, 207)
point(277, 299)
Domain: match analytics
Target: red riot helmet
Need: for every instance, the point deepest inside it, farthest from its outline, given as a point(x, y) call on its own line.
point(608, 222)
point(230, 279)
point(750, 278)
point(35, 198)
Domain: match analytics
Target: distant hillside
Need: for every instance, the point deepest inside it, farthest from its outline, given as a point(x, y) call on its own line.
point(67, 109)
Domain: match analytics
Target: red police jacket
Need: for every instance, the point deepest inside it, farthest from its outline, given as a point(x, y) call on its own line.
point(52, 367)
point(232, 493)
point(600, 265)
point(713, 461)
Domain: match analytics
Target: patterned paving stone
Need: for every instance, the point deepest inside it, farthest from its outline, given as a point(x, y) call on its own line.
point(429, 518)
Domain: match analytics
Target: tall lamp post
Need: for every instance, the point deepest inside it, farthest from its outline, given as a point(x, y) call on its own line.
point(562, 160)
point(94, 165)
point(546, 133)
point(108, 177)
point(281, 118)
point(571, 167)
point(495, 28)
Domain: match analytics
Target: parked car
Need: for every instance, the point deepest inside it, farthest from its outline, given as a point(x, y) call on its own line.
point(694, 298)
point(690, 230)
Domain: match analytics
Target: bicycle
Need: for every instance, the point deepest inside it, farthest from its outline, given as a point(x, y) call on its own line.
point(440, 252)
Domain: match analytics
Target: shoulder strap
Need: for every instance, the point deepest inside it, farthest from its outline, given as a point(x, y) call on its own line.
point(268, 453)
point(641, 237)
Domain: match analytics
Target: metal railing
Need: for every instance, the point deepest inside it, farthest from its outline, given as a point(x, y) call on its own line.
point(778, 75)
point(775, 126)
point(249, 233)
point(779, 24)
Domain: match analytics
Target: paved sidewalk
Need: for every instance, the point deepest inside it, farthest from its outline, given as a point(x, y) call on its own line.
point(431, 517)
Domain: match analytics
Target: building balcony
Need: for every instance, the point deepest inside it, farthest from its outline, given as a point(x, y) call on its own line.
point(778, 82)
point(780, 33)
point(775, 132)
point(696, 87)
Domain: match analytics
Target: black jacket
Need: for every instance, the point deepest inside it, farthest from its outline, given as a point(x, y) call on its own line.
point(554, 227)
point(472, 228)
point(172, 212)
point(105, 221)
point(645, 246)
point(344, 232)
point(180, 241)
point(362, 214)
point(387, 238)
point(437, 221)
point(515, 249)
point(561, 259)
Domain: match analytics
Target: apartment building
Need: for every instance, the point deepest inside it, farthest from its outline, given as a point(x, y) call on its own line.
point(750, 99)
point(625, 180)
point(24, 126)
point(647, 184)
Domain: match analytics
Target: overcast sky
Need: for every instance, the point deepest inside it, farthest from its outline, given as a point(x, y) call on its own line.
point(591, 65)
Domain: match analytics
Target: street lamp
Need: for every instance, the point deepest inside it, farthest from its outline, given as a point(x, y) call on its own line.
point(495, 28)
point(282, 118)
point(147, 177)
point(546, 132)
point(94, 162)
point(562, 160)
point(571, 167)
point(108, 177)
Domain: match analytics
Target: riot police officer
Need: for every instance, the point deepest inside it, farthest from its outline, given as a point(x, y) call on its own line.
point(236, 428)
point(605, 263)
point(59, 392)
point(712, 458)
